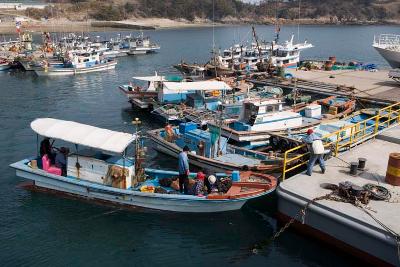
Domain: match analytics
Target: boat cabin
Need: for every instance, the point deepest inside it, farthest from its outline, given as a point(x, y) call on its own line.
point(266, 115)
point(177, 92)
point(99, 155)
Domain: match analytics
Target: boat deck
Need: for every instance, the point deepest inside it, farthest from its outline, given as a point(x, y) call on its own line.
point(238, 159)
point(343, 221)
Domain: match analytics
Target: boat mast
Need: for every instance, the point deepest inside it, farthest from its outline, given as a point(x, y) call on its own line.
point(298, 23)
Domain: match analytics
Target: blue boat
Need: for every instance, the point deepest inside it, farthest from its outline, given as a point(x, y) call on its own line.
point(211, 151)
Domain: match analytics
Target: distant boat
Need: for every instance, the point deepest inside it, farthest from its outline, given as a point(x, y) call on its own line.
point(142, 45)
point(4, 65)
point(388, 46)
point(79, 63)
point(100, 171)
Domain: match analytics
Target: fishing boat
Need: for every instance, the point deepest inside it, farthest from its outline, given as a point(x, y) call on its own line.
point(142, 90)
point(78, 63)
point(287, 55)
point(337, 106)
point(388, 46)
point(142, 45)
point(211, 151)
point(4, 65)
point(198, 96)
point(179, 92)
point(282, 142)
point(100, 171)
point(259, 118)
point(192, 69)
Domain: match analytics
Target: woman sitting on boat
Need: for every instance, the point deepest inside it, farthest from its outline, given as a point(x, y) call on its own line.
point(47, 149)
point(198, 187)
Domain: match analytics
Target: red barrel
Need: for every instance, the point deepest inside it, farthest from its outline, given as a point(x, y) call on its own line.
point(393, 169)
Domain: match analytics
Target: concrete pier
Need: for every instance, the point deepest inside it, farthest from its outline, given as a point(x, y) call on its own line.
point(344, 225)
point(364, 85)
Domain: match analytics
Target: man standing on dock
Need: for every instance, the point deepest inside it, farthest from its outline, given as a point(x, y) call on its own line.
point(316, 149)
point(184, 170)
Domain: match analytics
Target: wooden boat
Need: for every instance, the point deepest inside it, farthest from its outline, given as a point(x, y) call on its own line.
point(211, 152)
point(338, 106)
point(190, 68)
point(103, 173)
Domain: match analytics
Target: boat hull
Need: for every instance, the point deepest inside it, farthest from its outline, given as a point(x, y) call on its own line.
point(207, 163)
point(91, 191)
point(392, 57)
point(5, 67)
point(72, 71)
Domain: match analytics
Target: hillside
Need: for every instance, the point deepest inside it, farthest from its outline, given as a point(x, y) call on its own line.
point(312, 11)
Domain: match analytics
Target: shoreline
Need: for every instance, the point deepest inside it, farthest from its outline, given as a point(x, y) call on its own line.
point(152, 24)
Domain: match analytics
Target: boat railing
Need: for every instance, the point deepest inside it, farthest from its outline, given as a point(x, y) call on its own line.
point(345, 138)
point(387, 40)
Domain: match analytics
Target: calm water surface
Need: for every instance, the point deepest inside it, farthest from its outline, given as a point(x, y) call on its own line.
point(37, 229)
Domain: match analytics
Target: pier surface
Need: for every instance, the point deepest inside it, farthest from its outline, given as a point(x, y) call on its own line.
point(344, 222)
point(365, 85)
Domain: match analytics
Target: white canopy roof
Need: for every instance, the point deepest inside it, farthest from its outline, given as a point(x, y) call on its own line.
point(151, 78)
point(197, 86)
point(82, 134)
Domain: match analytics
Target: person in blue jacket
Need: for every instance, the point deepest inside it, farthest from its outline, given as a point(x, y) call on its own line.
point(183, 162)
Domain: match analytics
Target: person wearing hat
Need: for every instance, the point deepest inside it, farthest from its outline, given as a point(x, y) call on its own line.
point(198, 187)
point(313, 143)
point(212, 180)
point(183, 167)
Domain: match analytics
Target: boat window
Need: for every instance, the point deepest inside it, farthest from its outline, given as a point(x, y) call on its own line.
point(270, 108)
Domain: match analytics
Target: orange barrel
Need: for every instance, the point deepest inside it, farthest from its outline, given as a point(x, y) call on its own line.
point(328, 65)
point(393, 169)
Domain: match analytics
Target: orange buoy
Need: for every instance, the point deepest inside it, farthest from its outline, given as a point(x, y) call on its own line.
point(393, 169)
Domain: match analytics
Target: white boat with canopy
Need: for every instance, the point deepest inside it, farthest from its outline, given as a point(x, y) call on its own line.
point(100, 170)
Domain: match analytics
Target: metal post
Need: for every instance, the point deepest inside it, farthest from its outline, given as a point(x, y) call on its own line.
point(377, 123)
point(77, 165)
point(337, 143)
point(351, 136)
point(37, 145)
point(284, 166)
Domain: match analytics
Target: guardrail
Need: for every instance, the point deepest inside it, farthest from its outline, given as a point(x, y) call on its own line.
point(347, 137)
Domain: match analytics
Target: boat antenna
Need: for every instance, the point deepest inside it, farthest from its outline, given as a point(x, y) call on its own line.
point(277, 27)
point(213, 26)
point(298, 23)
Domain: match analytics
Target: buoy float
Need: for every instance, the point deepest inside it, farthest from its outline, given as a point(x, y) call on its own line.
point(393, 169)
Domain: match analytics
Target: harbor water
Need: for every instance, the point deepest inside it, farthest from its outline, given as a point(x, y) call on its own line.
point(38, 229)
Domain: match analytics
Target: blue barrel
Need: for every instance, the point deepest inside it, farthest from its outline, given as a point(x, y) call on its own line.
point(236, 176)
